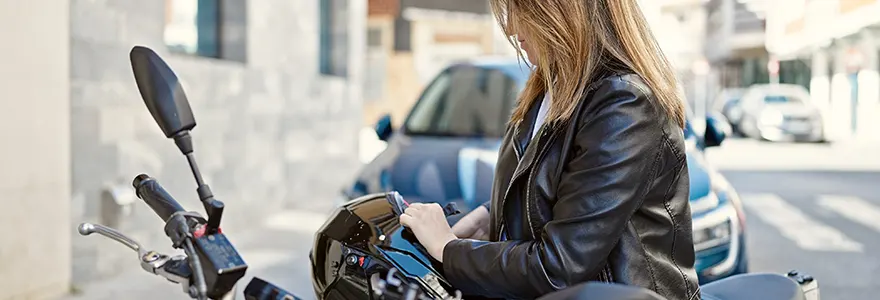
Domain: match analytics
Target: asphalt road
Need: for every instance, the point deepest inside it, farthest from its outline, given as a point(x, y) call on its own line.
point(815, 208)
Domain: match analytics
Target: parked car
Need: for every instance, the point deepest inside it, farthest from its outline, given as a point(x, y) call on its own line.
point(447, 148)
point(780, 112)
point(728, 105)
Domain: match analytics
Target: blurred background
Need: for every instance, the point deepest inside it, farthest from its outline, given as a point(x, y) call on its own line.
point(299, 102)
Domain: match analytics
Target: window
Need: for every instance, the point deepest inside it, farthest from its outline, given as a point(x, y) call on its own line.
point(466, 102)
point(207, 28)
point(333, 50)
point(374, 37)
point(191, 27)
point(795, 72)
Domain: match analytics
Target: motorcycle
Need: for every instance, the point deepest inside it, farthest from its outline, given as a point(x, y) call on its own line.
point(360, 252)
point(362, 247)
point(210, 266)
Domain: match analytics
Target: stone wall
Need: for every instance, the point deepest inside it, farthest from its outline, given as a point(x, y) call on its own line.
point(35, 152)
point(272, 132)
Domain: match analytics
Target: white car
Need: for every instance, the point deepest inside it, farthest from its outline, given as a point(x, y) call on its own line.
point(780, 112)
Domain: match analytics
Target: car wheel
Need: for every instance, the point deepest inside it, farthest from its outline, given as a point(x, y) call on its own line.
point(746, 127)
point(734, 129)
point(822, 138)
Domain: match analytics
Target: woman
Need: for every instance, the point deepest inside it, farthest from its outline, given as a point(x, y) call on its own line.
point(591, 182)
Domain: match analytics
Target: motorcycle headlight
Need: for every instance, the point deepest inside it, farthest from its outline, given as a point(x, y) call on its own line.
point(772, 117)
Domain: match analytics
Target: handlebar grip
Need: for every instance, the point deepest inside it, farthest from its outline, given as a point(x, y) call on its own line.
point(148, 189)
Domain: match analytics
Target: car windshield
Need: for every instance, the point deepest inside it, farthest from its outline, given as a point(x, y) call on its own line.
point(473, 101)
point(466, 101)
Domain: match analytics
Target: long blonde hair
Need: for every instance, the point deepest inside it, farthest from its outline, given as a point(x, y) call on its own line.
point(575, 40)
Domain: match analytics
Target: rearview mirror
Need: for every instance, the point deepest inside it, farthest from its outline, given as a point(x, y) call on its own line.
point(161, 91)
point(383, 127)
point(717, 129)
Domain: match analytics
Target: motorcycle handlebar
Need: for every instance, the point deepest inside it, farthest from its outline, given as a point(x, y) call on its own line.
point(148, 189)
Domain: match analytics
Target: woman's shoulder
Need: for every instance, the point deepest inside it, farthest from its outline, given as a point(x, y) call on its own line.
point(620, 92)
point(622, 102)
point(627, 82)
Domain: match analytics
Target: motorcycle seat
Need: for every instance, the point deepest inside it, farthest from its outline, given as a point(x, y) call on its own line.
point(753, 286)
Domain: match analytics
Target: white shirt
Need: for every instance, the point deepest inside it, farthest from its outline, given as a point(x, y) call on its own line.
point(542, 114)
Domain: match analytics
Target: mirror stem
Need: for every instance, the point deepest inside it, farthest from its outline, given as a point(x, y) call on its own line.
point(184, 142)
point(194, 167)
point(213, 207)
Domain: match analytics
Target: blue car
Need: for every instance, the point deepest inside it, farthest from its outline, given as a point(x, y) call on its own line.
point(447, 148)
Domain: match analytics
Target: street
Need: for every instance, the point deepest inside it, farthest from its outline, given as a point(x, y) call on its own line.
point(811, 207)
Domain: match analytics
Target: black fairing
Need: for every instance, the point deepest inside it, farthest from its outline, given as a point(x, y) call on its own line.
point(359, 243)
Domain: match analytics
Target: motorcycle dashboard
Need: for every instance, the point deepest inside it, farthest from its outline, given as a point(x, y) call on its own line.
point(414, 268)
point(369, 227)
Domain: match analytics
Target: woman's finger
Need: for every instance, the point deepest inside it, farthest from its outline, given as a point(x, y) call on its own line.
point(462, 232)
point(480, 234)
point(435, 207)
point(413, 210)
point(406, 220)
point(415, 206)
point(463, 229)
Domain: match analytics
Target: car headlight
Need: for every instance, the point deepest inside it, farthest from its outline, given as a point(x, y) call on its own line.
point(713, 226)
point(704, 204)
point(711, 236)
point(772, 117)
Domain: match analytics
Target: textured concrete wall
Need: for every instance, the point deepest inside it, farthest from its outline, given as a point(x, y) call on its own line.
point(34, 156)
point(272, 133)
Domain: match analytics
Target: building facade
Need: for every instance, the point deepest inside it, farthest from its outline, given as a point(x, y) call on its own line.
point(840, 41)
point(735, 34)
point(276, 89)
point(35, 156)
point(680, 30)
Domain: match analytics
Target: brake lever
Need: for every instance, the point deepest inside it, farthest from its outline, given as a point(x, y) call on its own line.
point(173, 268)
point(86, 229)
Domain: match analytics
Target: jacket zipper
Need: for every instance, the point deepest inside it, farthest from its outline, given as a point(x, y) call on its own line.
point(529, 189)
point(538, 156)
point(528, 205)
point(504, 197)
point(606, 275)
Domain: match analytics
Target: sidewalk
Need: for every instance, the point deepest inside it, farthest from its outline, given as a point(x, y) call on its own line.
point(276, 250)
point(746, 154)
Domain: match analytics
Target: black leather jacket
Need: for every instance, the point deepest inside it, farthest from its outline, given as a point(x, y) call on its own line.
point(603, 197)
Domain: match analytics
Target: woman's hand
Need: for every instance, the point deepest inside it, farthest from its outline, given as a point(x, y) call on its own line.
point(429, 224)
point(474, 225)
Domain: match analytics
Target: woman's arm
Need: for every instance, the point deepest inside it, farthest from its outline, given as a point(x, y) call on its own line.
point(603, 184)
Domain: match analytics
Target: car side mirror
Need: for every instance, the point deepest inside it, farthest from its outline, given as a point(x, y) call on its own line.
point(383, 127)
point(717, 129)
